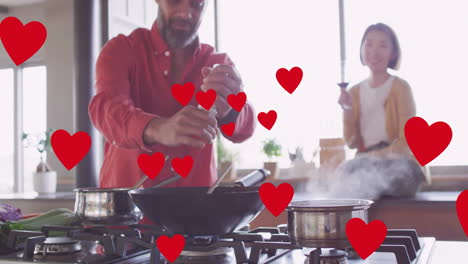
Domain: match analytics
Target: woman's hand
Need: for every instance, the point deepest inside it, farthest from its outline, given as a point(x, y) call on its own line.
point(345, 100)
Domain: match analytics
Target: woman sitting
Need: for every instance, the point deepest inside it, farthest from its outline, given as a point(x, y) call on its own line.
point(375, 112)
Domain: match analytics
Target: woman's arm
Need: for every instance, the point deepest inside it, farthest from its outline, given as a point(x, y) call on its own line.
point(351, 129)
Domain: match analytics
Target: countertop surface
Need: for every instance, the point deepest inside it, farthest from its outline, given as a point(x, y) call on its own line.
point(421, 197)
point(449, 252)
point(38, 196)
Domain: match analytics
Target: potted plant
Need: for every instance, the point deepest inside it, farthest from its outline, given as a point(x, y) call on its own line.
point(299, 166)
point(44, 178)
point(225, 161)
point(272, 150)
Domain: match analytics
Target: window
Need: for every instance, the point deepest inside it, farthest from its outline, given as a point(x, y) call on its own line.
point(33, 104)
point(34, 117)
point(303, 34)
point(206, 30)
point(207, 27)
point(7, 131)
point(306, 34)
point(125, 16)
point(433, 59)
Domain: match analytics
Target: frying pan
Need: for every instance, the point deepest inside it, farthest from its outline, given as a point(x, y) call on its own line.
point(191, 211)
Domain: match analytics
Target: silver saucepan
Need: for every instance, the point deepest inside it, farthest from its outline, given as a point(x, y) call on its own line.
point(322, 223)
point(109, 206)
point(106, 206)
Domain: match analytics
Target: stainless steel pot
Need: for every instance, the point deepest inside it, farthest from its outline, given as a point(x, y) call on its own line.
point(322, 223)
point(101, 206)
point(110, 206)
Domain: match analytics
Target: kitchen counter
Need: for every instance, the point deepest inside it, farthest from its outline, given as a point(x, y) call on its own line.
point(449, 252)
point(33, 202)
point(421, 198)
point(431, 199)
point(438, 209)
point(38, 196)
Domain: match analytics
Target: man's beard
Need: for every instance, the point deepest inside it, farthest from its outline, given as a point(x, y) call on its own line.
point(176, 38)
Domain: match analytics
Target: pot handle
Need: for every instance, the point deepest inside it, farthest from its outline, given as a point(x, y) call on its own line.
point(252, 179)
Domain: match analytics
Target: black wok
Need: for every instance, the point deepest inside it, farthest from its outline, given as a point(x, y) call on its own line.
point(191, 211)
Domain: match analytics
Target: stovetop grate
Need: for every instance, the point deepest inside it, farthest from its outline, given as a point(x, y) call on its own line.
point(262, 245)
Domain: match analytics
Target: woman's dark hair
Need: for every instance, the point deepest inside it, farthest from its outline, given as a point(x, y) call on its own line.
point(394, 62)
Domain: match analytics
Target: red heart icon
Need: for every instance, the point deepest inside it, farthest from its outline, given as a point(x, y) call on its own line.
point(22, 42)
point(427, 142)
point(151, 165)
point(182, 166)
point(267, 120)
point(289, 79)
point(183, 93)
point(171, 248)
point(365, 238)
point(462, 210)
point(70, 150)
point(237, 101)
point(206, 99)
point(228, 129)
point(276, 199)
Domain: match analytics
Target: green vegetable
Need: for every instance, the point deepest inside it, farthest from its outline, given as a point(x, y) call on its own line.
point(61, 216)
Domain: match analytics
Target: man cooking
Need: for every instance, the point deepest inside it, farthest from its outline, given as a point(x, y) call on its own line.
point(136, 112)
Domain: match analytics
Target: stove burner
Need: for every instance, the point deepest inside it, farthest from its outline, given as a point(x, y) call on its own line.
point(214, 252)
point(327, 256)
point(201, 240)
point(57, 246)
point(216, 259)
point(222, 255)
point(332, 253)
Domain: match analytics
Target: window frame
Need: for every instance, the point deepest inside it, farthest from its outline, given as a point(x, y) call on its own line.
point(18, 158)
point(438, 172)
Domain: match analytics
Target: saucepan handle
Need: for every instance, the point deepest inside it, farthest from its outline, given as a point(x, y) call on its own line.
point(252, 179)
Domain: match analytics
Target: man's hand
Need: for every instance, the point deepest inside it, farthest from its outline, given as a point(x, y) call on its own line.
point(190, 126)
point(225, 80)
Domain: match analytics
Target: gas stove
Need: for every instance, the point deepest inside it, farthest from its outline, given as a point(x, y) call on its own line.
point(136, 244)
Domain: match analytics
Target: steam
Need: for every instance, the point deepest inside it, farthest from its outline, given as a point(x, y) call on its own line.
point(367, 177)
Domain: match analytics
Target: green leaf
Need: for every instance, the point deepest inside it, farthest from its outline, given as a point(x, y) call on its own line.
point(271, 148)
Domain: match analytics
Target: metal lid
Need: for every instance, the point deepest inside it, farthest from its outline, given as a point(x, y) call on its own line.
point(100, 190)
point(330, 205)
